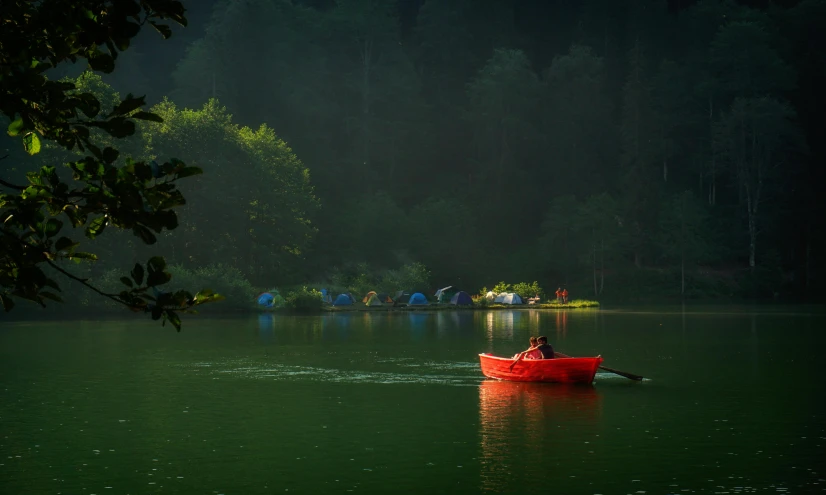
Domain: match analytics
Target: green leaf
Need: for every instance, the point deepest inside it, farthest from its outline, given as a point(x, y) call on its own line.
point(15, 128)
point(52, 227)
point(145, 234)
point(31, 143)
point(157, 275)
point(137, 274)
point(100, 61)
point(165, 31)
point(174, 319)
point(147, 116)
point(156, 263)
point(83, 256)
point(110, 154)
point(96, 227)
point(90, 106)
point(129, 104)
point(126, 281)
point(157, 311)
point(64, 243)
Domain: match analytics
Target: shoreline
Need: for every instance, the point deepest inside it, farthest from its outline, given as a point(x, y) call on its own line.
point(361, 307)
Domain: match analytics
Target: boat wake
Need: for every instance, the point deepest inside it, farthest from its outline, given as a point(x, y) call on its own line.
point(430, 372)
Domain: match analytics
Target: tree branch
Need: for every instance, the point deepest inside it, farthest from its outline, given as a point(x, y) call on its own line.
point(87, 284)
point(12, 186)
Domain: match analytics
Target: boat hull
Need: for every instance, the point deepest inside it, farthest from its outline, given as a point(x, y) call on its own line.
point(558, 370)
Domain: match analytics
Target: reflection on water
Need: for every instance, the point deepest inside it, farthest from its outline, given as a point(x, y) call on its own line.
point(266, 327)
point(561, 324)
point(514, 422)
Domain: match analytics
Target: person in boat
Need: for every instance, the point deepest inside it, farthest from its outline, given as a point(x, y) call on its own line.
point(545, 348)
point(532, 352)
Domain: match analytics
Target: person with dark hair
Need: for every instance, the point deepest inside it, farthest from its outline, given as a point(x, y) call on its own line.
point(559, 294)
point(532, 352)
point(565, 296)
point(545, 348)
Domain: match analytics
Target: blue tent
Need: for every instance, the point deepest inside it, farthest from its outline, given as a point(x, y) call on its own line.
point(266, 299)
point(343, 300)
point(417, 299)
point(461, 298)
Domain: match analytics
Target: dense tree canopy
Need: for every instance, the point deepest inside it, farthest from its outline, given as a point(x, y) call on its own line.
point(620, 148)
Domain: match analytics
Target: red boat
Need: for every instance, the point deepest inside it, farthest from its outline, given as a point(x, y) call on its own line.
point(560, 370)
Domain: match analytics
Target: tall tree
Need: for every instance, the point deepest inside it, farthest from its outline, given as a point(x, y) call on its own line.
point(639, 153)
point(502, 110)
point(262, 189)
point(577, 118)
point(684, 232)
point(759, 140)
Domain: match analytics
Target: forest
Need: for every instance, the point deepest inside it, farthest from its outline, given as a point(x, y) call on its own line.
point(625, 150)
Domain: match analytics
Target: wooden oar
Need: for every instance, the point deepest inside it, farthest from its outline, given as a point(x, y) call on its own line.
point(630, 376)
point(521, 355)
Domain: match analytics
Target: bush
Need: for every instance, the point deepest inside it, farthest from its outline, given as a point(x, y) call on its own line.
point(501, 287)
point(358, 278)
point(305, 300)
point(223, 279)
point(526, 290)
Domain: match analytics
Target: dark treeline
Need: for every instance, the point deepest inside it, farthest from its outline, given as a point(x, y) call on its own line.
point(617, 148)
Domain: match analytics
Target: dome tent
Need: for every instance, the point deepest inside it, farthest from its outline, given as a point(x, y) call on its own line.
point(417, 299)
point(266, 299)
point(508, 298)
point(373, 301)
point(490, 296)
point(461, 298)
point(270, 299)
point(343, 300)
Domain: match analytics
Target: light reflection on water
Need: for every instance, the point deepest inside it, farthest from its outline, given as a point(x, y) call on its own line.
point(285, 402)
point(513, 423)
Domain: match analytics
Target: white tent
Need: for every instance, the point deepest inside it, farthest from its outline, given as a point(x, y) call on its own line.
point(490, 296)
point(508, 298)
point(439, 292)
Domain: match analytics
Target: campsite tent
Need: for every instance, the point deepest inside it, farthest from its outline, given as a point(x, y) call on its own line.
point(352, 297)
point(374, 300)
point(508, 298)
point(461, 298)
point(343, 300)
point(490, 296)
point(401, 297)
point(442, 295)
point(326, 297)
point(266, 299)
point(367, 296)
point(270, 299)
point(385, 298)
point(417, 299)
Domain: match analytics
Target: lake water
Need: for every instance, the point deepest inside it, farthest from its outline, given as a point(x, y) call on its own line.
point(396, 403)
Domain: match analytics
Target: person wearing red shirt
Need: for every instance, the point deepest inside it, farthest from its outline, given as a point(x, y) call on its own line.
point(565, 296)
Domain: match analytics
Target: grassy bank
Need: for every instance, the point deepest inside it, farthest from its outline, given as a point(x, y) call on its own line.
point(361, 307)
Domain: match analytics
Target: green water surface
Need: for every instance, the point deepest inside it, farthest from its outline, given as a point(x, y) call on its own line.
point(396, 403)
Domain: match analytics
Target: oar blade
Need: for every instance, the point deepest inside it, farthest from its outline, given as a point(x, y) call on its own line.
point(625, 374)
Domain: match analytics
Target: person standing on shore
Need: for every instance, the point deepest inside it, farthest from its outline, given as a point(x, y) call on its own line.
point(559, 294)
point(565, 296)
